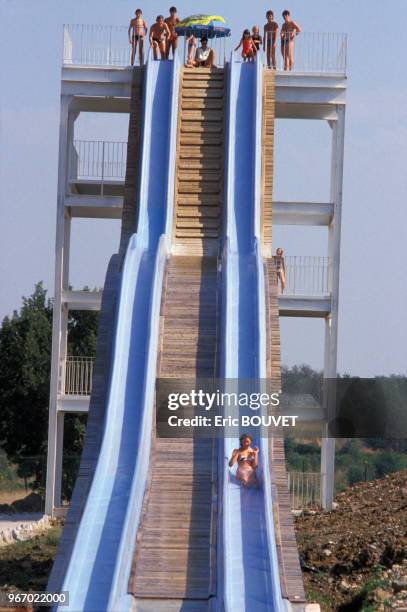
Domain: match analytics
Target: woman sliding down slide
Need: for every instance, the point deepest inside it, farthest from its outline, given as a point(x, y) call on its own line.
point(247, 458)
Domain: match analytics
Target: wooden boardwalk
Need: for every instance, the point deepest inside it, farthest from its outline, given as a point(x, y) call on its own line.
point(174, 564)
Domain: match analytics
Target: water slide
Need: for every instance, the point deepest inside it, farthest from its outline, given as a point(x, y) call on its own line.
point(101, 562)
point(99, 567)
point(250, 573)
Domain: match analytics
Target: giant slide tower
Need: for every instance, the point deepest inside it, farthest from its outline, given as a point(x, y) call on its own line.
point(158, 524)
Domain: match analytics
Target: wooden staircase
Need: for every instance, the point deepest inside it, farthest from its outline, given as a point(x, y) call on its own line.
point(174, 563)
point(200, 162)
point(269, 103)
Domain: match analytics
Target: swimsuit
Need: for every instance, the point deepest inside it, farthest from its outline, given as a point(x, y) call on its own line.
point(159, 38)
point(247, 46)
point(257, 41)
point(246, 473)
point(138, 29)
point(249, 458)
point(288, 36)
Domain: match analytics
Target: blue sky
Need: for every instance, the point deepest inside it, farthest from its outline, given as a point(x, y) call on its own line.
point(373, 332)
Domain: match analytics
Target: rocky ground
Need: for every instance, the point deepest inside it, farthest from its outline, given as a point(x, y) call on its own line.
point(355, 557)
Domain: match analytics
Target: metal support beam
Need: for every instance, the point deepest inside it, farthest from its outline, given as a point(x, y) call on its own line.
point(95, 207)
point(331, 328)
point(304, 306)
point(82, 300)
point(303, 213)
point(59, 311)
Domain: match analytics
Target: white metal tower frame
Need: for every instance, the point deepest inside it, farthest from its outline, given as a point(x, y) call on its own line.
point(309, 96)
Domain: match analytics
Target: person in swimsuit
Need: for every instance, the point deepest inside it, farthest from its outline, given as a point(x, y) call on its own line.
point(204, 56)
point(280, 268)
point(270, 40)
point(248, 47)
point(136, 33)
point(247, 459)
point(159, 34)
point(256, 37)
point(172, 21)
point(289, 31)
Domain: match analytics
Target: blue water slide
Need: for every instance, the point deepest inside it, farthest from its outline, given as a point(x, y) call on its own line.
point(99, 567)
point(249, 570)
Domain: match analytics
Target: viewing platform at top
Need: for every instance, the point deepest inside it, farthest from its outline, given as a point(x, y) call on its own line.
point(96, 71)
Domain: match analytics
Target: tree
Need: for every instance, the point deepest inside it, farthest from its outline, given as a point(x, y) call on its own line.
point(25, 358)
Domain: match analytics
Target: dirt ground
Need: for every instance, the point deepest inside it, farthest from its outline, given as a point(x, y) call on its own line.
point(25, 566)
point(355, 557)
point(8, 497)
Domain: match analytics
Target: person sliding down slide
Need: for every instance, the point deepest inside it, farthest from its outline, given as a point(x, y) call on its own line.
point(248, 459)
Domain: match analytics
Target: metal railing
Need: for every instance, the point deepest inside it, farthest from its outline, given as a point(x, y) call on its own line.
point(313, 52)
point(100, 160)
point(77, 374)
point(305, 489)
point(306, 275)
point(93, 45)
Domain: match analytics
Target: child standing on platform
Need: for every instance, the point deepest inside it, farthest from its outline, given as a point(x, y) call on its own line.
point(270, 40)
point(136, 32)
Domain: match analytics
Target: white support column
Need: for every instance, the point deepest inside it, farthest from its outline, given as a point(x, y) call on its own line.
point(54, 458)
point(331, 327)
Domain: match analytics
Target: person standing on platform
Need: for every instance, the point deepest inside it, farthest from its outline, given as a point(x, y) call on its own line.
point(270, 40)
point(159, 35)
point(137, 32)
point(289, 31)
point(172, 21)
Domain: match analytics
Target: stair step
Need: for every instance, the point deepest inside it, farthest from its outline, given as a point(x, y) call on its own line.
point(199, 176)
point(214, 71)
point(199, 199)
point(200, 139)
point(202, 84)
point(202, 93)
point(198, 211)
point(188, 233)
point(196, 127)
point(197, 223)
point(204, 104)
point(203, 153)
point(197, 75)
point(199, 164)
point(202, 115)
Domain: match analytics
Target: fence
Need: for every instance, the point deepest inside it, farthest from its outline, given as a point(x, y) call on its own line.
point(77, 375)
point(92, 45)
point(313, 52)
point(98, 160)
point(305, 489)
point(307, 275)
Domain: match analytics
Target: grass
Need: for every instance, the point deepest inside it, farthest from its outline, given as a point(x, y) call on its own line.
point(315, 597)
